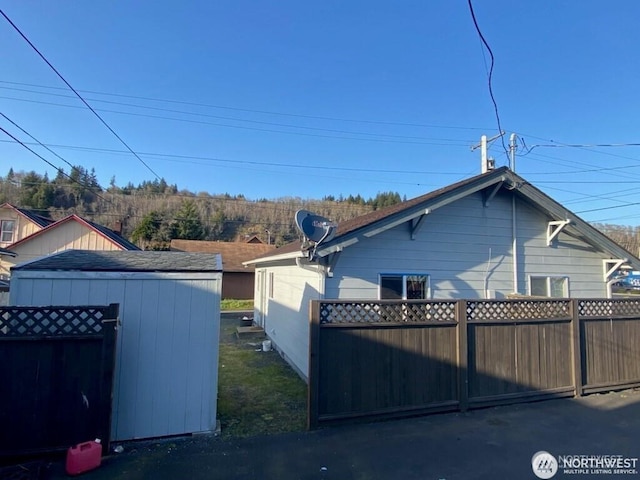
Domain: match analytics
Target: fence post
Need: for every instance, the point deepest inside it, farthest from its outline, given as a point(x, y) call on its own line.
point(110, 325)
point(463, 355)
point(313, 393)
point(576, 347)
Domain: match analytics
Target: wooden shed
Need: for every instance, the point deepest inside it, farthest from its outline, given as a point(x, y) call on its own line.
point(167, 353)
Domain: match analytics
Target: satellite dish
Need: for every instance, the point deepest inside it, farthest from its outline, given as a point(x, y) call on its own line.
point(315, 228)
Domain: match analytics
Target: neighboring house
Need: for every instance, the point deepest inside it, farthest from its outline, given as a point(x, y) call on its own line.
point(166, 377)
point(18, 223)
point(238, 278)
point(490, 236)
point(34, 236)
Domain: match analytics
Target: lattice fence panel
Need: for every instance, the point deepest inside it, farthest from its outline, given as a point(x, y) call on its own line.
point(375, 312)
point(51, 321)
point(491, 310)
point(609, 308)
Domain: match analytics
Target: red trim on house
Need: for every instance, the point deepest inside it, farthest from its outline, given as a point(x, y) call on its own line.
point(64, 220)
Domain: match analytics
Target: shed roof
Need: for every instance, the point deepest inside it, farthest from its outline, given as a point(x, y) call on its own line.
point(126, 261)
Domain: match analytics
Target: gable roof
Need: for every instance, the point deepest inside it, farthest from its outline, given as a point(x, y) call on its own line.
point(34, 217)
point(233, 253)
point(375, 222)
point(122, 260)
point(99, 229)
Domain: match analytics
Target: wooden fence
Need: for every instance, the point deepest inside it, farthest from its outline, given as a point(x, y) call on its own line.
point(56, 372)
point(388, 359)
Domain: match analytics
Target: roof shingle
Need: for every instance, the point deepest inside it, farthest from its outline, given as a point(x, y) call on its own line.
point(130, 261)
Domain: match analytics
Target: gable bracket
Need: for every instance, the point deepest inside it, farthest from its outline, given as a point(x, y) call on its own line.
point(332, 259)
point(554, 228)
point(416, 224)
point(610, 266)
point(489, 197)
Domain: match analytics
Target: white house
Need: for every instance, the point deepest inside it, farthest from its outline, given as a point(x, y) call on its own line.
point(490, 236)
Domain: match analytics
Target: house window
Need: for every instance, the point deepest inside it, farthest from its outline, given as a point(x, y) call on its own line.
point(404, 287)
point(7, 228)
point(555, 287)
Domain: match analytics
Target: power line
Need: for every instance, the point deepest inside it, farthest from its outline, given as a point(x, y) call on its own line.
point(493, 99)
point(77, 94)
point(183, 112)
point(49, 163)
point(609, 208)
point(36, 140)
point(605, 170)
point(73, 167)
point(265, 112)
point(242, 127)
point(254, 162)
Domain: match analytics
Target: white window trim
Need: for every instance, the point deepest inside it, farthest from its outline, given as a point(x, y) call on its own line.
point(404, 283)
point(271, 284)
point(2, 231)
point(565, 293)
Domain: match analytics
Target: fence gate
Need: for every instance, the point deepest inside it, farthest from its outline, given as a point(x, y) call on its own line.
point(56, 372)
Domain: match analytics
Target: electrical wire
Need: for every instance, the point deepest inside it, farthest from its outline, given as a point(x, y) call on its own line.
point(49, 163)
point(242, 127)
point(236, 119)
point(296, 165)
point(490, 81)
point(77, 94)
point(36, 140)
point(264, 112)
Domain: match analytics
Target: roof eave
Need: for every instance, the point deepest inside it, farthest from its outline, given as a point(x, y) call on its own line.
point(274, 258)
point(558, 212)
point(401, 217)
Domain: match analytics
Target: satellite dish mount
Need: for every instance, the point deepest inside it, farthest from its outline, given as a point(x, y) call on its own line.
point(315, 229)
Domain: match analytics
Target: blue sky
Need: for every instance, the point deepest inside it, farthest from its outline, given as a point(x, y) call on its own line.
point(308, 99)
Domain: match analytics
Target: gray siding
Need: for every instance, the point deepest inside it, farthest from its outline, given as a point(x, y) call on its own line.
point(462, 244)
point(167, 353)
point(464, 247)
point(286, 320)
point(566, 256)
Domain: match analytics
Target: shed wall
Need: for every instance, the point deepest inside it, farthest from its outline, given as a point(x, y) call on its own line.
point(167, 353)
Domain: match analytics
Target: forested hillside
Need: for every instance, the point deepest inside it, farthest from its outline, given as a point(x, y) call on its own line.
point(152, 213)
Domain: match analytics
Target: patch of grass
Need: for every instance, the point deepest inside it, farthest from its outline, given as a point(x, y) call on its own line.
point(258, 393)
point(231, 304)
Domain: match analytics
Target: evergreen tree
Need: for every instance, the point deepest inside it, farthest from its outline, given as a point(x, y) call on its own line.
point(188, 224)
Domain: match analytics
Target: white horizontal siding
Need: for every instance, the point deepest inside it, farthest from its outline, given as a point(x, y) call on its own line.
point(286, 320)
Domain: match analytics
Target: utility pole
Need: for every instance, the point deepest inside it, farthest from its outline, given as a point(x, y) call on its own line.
point(484, 141)
point(512, 152)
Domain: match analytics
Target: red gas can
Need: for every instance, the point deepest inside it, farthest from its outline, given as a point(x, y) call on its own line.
point(84, 457)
